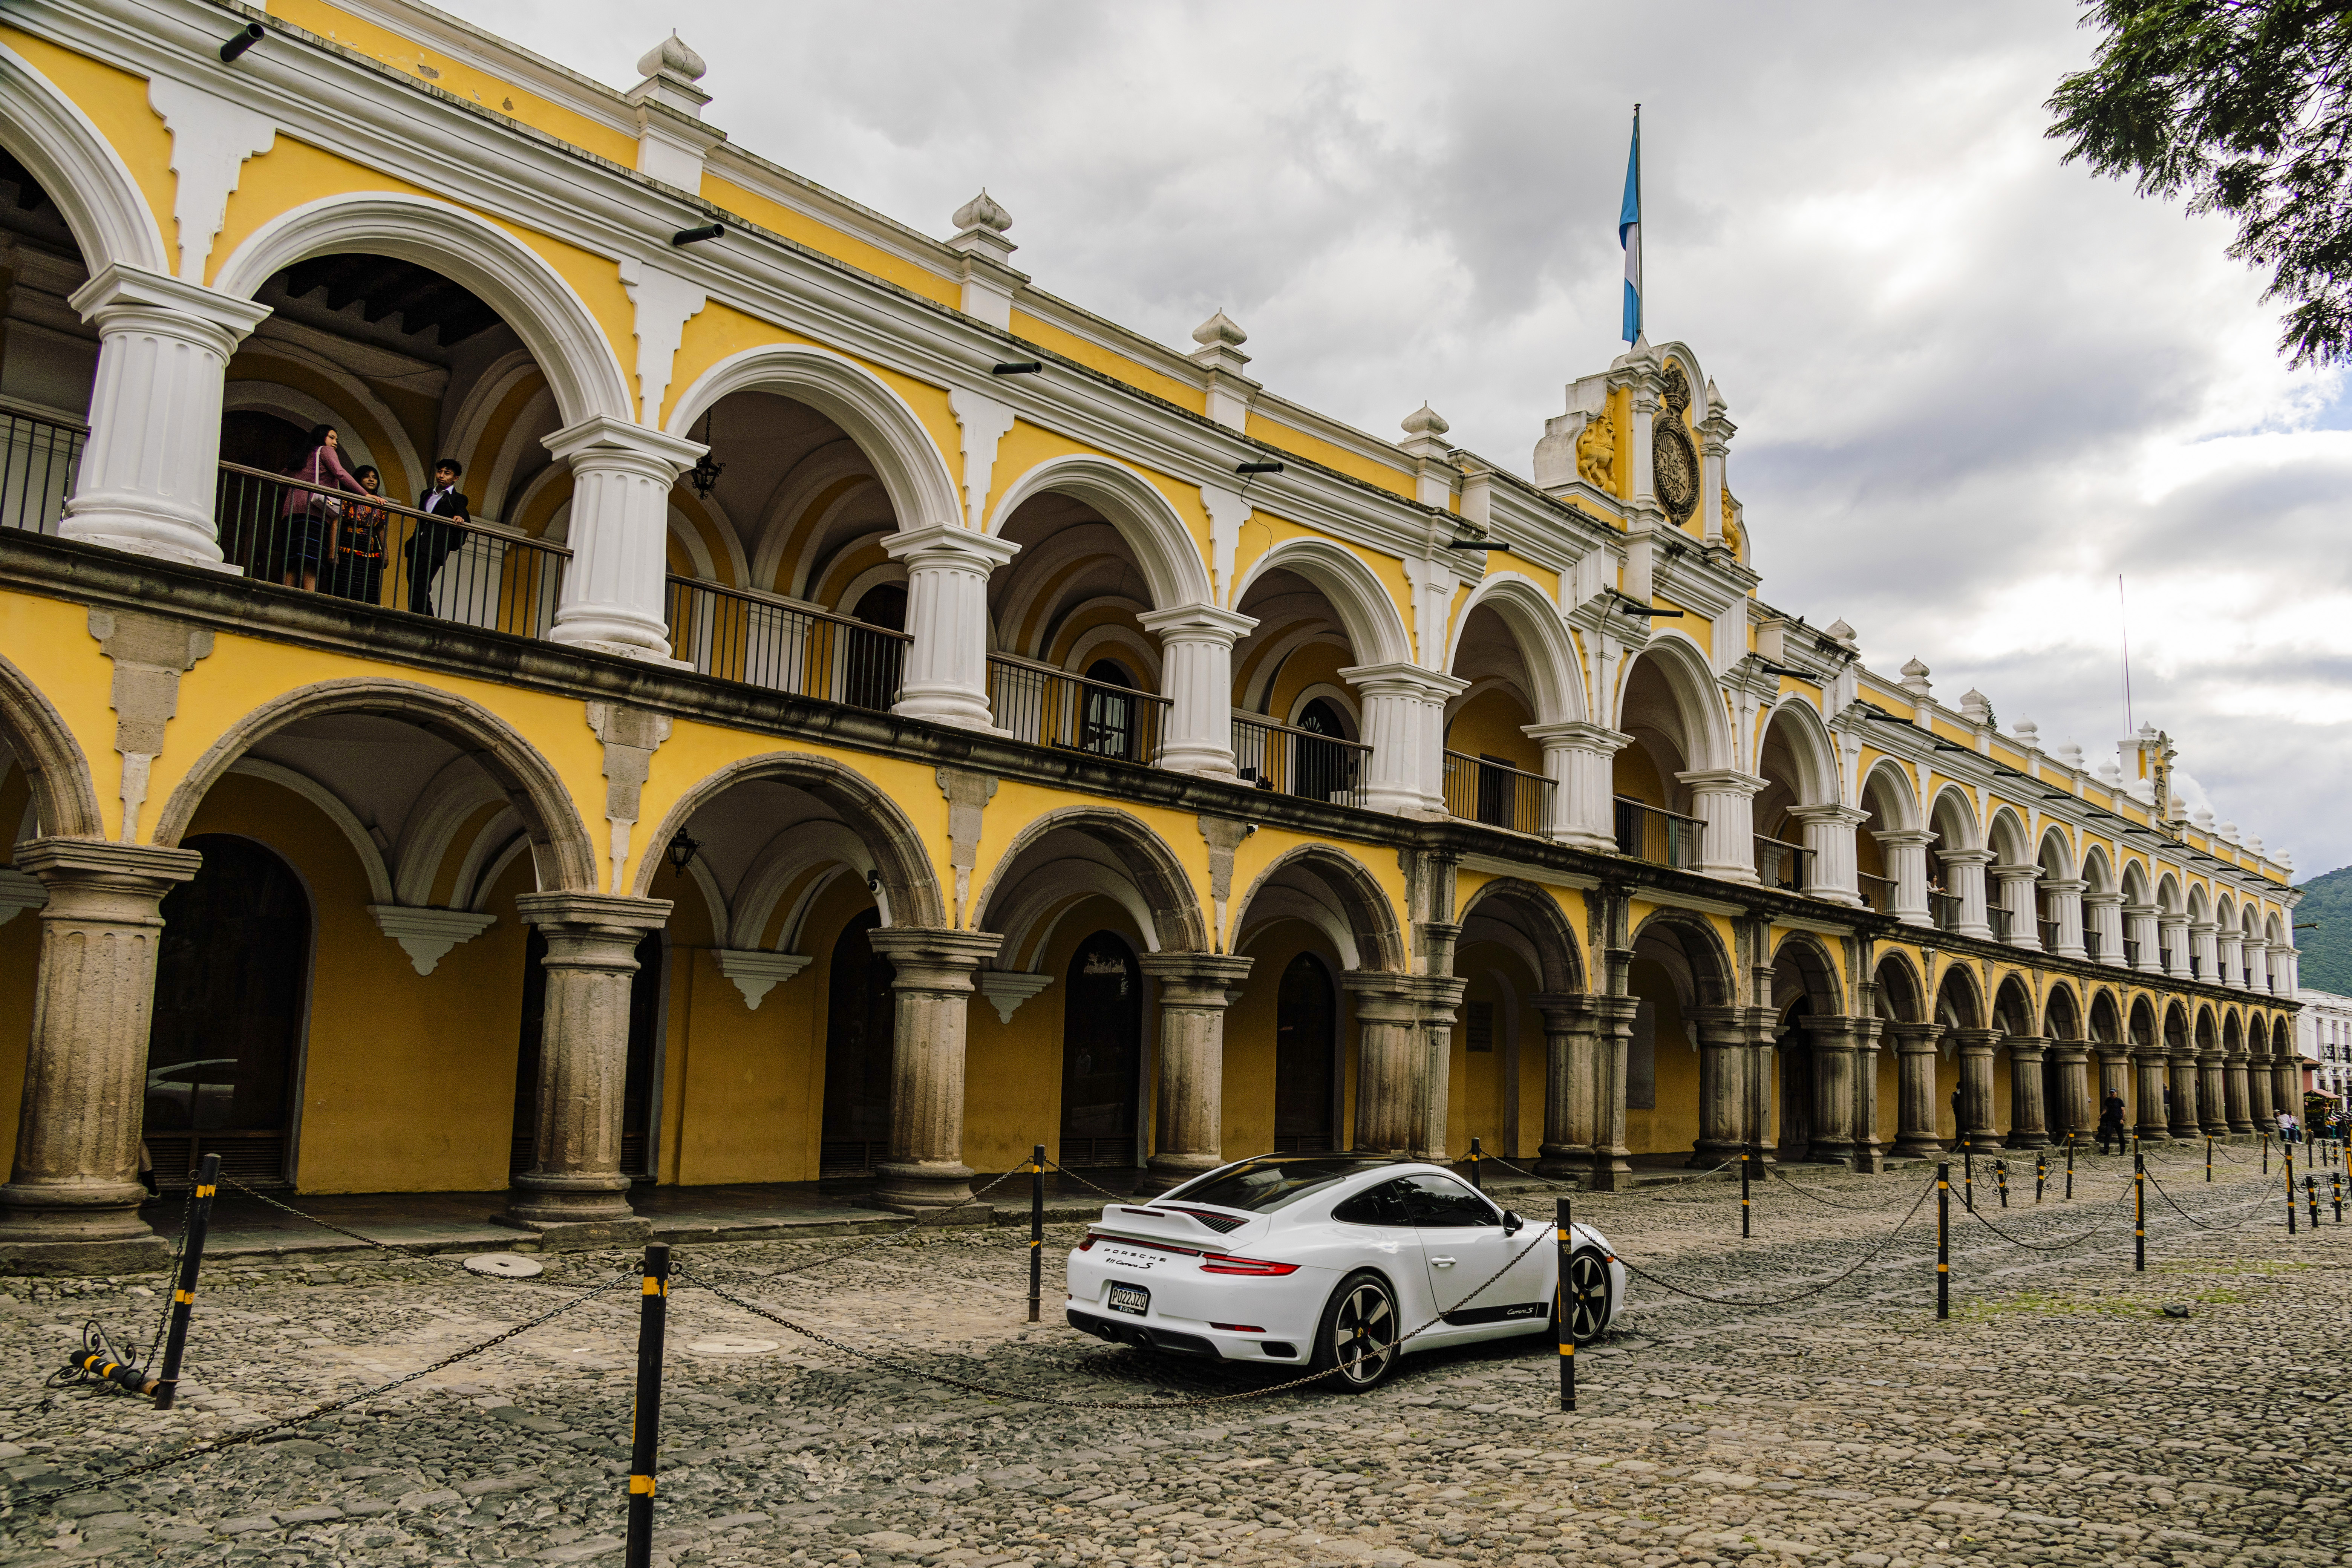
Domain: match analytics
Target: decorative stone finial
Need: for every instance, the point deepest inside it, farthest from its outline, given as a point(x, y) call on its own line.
point(2030, 732)
point(1716, 406)
point(2110, 775)
point(2072, 756)
point(2203, 819)
point(2253, 843)
point(1976, 706)
point(1220, 329)
point(672, 58)
point(983, 211)
point(1425, 421)
point(1915, 679)
point(2229, 832)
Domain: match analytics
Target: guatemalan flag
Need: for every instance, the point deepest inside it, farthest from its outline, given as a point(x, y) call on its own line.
point(1629, 233)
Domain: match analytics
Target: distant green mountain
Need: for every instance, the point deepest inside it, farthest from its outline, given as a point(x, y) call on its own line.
point(2328, 951)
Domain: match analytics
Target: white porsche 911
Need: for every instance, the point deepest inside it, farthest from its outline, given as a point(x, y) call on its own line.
point(1330, 1261)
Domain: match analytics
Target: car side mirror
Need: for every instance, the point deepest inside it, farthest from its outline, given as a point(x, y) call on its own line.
point(1511, 1223)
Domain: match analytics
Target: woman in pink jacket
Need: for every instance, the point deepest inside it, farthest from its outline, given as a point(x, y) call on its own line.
point(311, 518)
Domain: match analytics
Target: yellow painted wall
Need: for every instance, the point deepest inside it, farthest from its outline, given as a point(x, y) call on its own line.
point(1488, 725)
point(822, 238)
point(1673, 1125)
point(116, 103)
point(1250, 1023)
point(1117, 366)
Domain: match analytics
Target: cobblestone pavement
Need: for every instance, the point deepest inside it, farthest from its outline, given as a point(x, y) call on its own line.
point(2070, 1411)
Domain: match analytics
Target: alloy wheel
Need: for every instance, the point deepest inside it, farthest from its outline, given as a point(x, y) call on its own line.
point(1364, 1333)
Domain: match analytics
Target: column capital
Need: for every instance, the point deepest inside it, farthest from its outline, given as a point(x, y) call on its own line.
point(129, 296)
point(1381, 996)
point(1579, 735)
point(1195, 979)
point(1916, 1039)
point(2012, 873)
point(1977, 1042)
point(601, 441)
point(95, 866)
point(1197, 623)
point(1721, 781)
point(2065, 885)
point(2100, 900)
point(1852, 816)
point(928, 959)
point(950, 547)
point(1967, 856)
point(612, 912)
point(1404, 681)
point(1564, 1011)
point(2027, 1046)
point(1901, 837)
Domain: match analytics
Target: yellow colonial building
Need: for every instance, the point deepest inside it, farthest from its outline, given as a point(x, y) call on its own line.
point(868, 716)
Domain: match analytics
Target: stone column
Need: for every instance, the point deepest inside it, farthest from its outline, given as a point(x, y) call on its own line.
point(2205, 951)
point(1189, 1106)
point(1724, 799)
point(575, 1192)
point(2029, 1115)
point(150, 468)
point(1571, 1085)
point(1832, 1046)
point(1196, 655)
point(1440, 999)
point(932, 988)
point(1581, 761)
point(2114, 1077)
point(2016, 889)
point(1976, 1051)
point(2212, 1106)
point(2229, 957)
point(2066, 910)
point(1966, 870)
point(71, 1205)
point(1722, 1085)
point(2173, 946)
point(946, 677)
point(2077, 1111)
point(1612, 1162)
point(2104, 914)
point(2286, 1086)
point(1829, 869)
point(2259, 1104)
point(2181, 1067)
point(615, 586)
point(1869, 1143)
point(2151, 1126)
point(2140, 920)
point(1915, 1106)
point(1905, 853)
point(1404, 724)
point(2257, 967)
point(1388, 1062)
point(2237, 1095)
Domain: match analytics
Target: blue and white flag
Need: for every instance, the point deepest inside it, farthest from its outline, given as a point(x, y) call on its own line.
point(1629, 234)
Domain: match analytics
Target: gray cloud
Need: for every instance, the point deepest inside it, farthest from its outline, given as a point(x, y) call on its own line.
point(1972, 386)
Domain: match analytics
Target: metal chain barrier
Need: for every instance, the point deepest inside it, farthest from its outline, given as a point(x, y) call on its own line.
point(256, 1433)
point(394, 1247)
point(1774, 1170)
point(1106, 1191)
point(2241, 1224)
point(2100, 1228)
point(1814, 1289)
point(1654, 1190)
point(904, 1231)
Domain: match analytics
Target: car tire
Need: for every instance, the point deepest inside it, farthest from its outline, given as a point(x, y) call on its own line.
point(1358, 1334)
point(1590, 1296)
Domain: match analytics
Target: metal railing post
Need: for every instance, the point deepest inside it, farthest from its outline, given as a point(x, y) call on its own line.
point(1477, 1152)
point(2286, 1154)
point(1745, 1167)
point(183, 1288)
point(2139, 1212)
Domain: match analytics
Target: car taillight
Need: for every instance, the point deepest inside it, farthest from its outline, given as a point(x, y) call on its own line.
point(1089, 1241)
point(1239, 1328)
point(1221, 1263)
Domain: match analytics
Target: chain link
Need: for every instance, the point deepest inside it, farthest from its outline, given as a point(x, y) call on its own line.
point(395, 1248)
point(2293, 1198)
point(2098, 1229)
point(889, 1236)
point(1814, 1289)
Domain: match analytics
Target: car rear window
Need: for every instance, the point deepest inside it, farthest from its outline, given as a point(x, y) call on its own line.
point(1264, 1185)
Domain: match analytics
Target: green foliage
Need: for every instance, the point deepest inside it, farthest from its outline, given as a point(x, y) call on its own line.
point(2327, 952)
point(2245, 108)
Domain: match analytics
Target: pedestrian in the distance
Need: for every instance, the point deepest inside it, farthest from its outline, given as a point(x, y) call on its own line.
point(2111, 1121)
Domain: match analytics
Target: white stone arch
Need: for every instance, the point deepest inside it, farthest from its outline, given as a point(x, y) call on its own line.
point(1375, 628)
point(1162, 546)
point(275, 398)
point(2199, 910)
point(786, 857)
point(1953, 800)
point(913, 473)
point(1037, 905)
point(2135, 883)
point(1698, 701)
point(2098, 870)
point(1888, 788)
point(71, 159)
point(792, 530)
point(1534, 623)
point(1809, 744)
point(2060, 865)
point(2005, 836)
point(2167, 894)
point(1682, 351)
point(527, 294)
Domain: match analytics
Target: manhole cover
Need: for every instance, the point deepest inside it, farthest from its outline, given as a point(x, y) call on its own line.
point(504, 1265)
point(732, 1344)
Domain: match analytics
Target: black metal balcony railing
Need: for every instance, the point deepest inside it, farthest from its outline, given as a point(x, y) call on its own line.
point(1877, 893)
point(2093, 943)
point(2196, 965)
point(1662, 837)
point(1943, 909)
point(1049, 706)
point(2049, 929)
point(762, 640)
point(2131, 953)
point(1496, 793)
point(1788, 867)
point(2001, 922)
point(1291, 760)
point(39, 465)
point(377, 552)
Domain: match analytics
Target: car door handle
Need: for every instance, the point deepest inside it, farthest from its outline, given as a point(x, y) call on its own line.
point(1442, 1262)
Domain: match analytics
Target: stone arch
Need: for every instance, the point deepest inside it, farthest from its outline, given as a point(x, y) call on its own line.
point(1814, 752)
point(2207, 1037)
point(2135, 883)
point(2105, 1025)
point(2098, 871)
point(560, 845)
point(1901, 996)
point(1888, 791)
point(1953, 807)
point(2282, 1041)
point(1802, 960)
point(1163, 545)
point(64, 799)
point(2199, 909)
point(96, 192)
point(892, 436)
point(1356, 897)
point(1690, 683)
point(2142, 1022)
point(1158, 875)
point(2168, 895)
point(2056, 854)
point(2233, 1035)
point(1376, 631)
point(1707, 967)
point(1534, 623)
point(1958, 994)
point(527, 294)
point(2013, 1012)
point(2062, 1013)
point(1535, 918)
point(900, 862)
point(2005, 836)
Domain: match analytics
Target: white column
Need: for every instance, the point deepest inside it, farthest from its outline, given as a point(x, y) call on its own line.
point(2231, 949)
point(1829, 834)
point(2205, 951)
point(1905, 853)
point(1196, 652)
point(1966, 868)
point(2105, 916)
point(615, 596)
point(152, 465)
point(2258, 965)
point(1581, 761)
point(2016, 887)
point(2144, 932)
point(1723, 797)
point(1404, 724)
point(2175, 944)
point(2066, 909)
point(946, 677)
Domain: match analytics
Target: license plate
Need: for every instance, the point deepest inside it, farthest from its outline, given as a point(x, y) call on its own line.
point(1132, 1298)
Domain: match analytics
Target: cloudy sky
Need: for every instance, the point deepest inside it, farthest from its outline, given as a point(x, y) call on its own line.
point(1972, 387)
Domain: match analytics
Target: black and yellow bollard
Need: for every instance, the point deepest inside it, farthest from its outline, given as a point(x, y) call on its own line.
point(2000, 1180)
point(645, 1431)
point(1944, 1240)
point(1036, 1229)
point(2209, 1159)
point(1968, 1177)
point(2139, 1212)
point(183, 1289)
point(2069, 1170)
point(2286, 1157)
point(1477, 1152)
point(122, 1374)
point(2311, 1197)
point(2336, 1193)
point(1562, 1310)
point(2041, 1173)
point(1745, 1167)
point(2266, 1154)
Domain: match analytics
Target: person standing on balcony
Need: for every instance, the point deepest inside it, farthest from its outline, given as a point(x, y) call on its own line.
point(434, 541)
point(359, 558)
point(311, 518)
